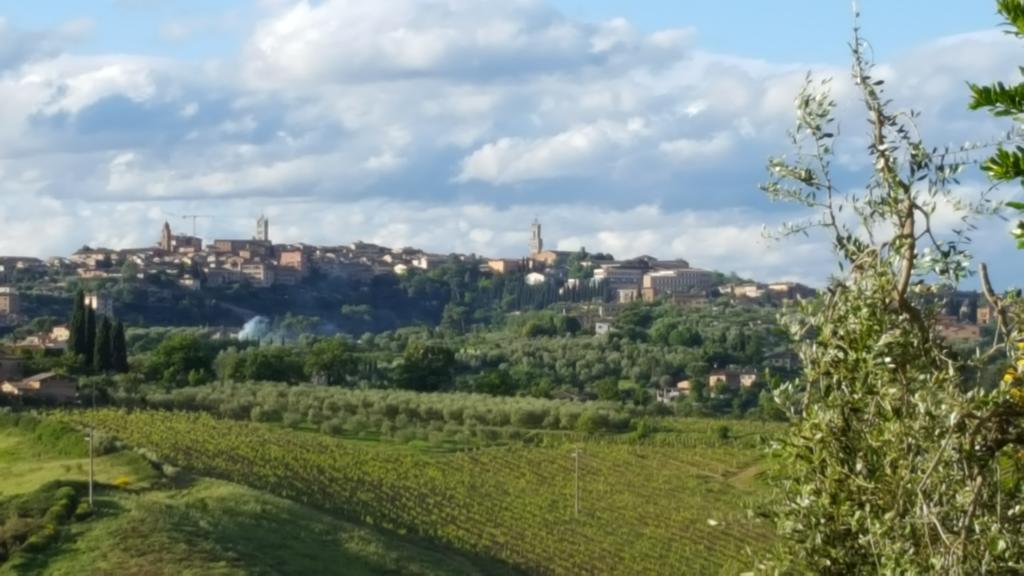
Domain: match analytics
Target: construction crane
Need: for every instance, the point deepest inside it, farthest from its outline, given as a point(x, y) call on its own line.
point(194, 217)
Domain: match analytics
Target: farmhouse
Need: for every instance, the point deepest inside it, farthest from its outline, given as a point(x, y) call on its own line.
point(46, 386)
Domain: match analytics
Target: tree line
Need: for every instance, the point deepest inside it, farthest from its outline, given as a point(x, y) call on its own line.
point(96, 343)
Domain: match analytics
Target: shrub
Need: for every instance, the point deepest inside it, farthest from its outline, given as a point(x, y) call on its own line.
point(333, 427)
point(529, 417)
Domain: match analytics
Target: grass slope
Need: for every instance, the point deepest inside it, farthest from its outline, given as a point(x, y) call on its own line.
point(148, 526)
point(29, 462)
point(215, 527)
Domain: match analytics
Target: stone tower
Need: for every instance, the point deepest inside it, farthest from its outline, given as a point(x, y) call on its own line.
point(263, 229)
point(536, 241)
point(166, 238)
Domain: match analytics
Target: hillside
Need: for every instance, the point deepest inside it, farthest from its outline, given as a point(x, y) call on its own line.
point(146, 524)
point(677, 505)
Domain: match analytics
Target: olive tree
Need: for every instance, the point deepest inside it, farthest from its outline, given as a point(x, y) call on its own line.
point(899, 460)
point(1006, 101)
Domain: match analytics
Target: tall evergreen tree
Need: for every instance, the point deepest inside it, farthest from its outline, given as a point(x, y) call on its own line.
point(119, 349)
point(77, 338)
point(90, 336)
point(102, 359)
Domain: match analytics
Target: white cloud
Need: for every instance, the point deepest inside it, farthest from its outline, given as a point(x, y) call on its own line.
point(570, 153)
point(686, 150)
point(347, 39)
point(189, 110)
point(73, 92)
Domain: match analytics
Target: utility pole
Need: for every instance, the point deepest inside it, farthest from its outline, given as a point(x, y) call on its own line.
point(576, 456)
point(92, 435)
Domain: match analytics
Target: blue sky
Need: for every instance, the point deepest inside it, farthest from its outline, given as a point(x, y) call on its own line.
point(798, 30)
point(628, 127)
point(775, 30)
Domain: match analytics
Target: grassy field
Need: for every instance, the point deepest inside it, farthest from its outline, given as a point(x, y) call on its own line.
point(675, 505)
point(146, 524)
point(27, 465)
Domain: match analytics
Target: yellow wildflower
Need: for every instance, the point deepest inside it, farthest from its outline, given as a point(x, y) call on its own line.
point(1009, 375)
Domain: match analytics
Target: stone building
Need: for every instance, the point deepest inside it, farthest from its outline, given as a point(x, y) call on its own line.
point(9, 302)
point(294, 259)
point(47, 386)
point(262, 229)
point(679, 281)
point(536, 240)
point(169, 242)
point(504, 266)
point(101, 303)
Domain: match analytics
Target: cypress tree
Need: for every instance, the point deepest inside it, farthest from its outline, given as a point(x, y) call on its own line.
point(90, 336)
point(119, 349)
point(102, 359)
point(77, 337)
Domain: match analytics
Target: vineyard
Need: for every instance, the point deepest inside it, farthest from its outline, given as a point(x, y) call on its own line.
point(644, 509)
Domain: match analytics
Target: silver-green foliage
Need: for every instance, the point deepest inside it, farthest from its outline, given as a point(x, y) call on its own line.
point(898, 461)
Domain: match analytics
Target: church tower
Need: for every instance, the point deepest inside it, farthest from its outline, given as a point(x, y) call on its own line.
point(263, 229)
point(166, 238)
point(536, 242)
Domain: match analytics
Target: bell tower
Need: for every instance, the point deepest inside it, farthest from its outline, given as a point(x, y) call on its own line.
point(263, 229)
point(166, 238)
point(536, 241)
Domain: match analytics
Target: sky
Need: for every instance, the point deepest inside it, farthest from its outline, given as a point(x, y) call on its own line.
point(638, 127)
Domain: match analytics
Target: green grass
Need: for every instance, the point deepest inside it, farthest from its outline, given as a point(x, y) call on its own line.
point(214, 527)
point(150, 525)
point(28, 463)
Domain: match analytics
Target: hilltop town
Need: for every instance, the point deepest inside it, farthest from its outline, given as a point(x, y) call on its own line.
point(193, 264)
point(181, 264)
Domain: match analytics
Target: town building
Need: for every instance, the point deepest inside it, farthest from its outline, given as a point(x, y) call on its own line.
point(549, 258)
point(984, 315)
point(103, 304)
point(429, 261)
point(720, 381)
point(628, 275)
point(48, 386)
point(245, 248)
point(667, 395)
point(504, 266)
point(9, 301)
point(294, 259)
point(536, 239)
point(791, 290)
point(260, 274)
point(627, 295)
point(539, 257)
point(95, 258)
point(782, 359)
point(171, 243)
point(262, 229)
point(676, 281)
point(60, 333)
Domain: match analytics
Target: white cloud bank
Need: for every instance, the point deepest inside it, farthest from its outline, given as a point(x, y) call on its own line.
point(448, 124)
